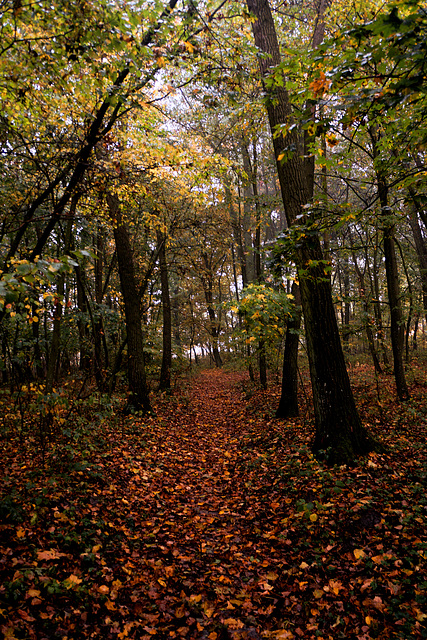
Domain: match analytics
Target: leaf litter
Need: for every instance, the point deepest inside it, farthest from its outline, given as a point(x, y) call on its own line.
point(212, 520)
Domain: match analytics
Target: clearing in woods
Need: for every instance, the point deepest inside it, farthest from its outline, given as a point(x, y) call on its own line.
point(212, 520)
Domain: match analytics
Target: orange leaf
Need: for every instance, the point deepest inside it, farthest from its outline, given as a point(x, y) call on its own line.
point(72, 581)
point(51, 554)
point(103, 589)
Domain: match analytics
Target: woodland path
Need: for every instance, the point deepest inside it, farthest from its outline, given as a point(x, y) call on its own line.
point(212, 521)
point(203, 568)
point(196, 504)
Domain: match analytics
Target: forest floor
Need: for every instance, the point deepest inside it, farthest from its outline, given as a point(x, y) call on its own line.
point(212, 520)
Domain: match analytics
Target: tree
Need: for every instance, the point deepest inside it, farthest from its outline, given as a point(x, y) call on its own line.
point(138, 399)
point(339, 431)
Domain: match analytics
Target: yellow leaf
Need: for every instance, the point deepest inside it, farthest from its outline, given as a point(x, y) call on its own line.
point(304, 565)
point(162, 582)
point(72, 581)
point(110, 606)
point(20, 533)
point(318, 593)
point(335, 585)
point(368, 620)
point(33, 593)
point(189, 47)
point(358, 553)
point(313, 517)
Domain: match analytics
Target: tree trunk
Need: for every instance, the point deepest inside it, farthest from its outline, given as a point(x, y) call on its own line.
point(98, 329)
point(55, 346)
point(82, 320)
point(339, 432)
point(165, 373)
point(139, 399)
point(365, 296)
point(397, 324)
point(421, 249)
point(288, 404)
point(214, 323)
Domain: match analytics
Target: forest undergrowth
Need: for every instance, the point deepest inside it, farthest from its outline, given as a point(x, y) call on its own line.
point(210, 519)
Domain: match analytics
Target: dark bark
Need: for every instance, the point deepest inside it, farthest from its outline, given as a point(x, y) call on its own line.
point(262, 358)
point(288, 404)
point(397, 323)
point(55, 345)
point(165, 373)
point(214, 322)
point(421, 249)
point(98, 329)
point(397, 328)
point(339, 432)
point(82, 324)
point(55, 338)
point(365, 297)
point(138, 399)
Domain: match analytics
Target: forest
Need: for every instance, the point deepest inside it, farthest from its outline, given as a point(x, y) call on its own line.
point(213, 319)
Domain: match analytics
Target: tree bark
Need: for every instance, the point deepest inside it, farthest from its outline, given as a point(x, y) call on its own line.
point(139, 399)
point(397, 324)
point(421, 249)
point(165, 372)
point(288, 404)
point(214, 322)
point(339, 432)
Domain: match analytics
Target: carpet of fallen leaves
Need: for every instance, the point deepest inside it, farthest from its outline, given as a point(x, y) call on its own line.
point(212, 520)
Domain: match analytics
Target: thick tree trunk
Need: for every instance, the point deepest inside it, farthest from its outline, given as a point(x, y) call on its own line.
point(165, 373)
point(339, 432)
point(139, 399)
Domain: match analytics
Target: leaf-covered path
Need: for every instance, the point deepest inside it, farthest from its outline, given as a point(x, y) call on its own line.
point(211, 520)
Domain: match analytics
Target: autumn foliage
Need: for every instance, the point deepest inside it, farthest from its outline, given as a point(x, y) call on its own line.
point(212, 520)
